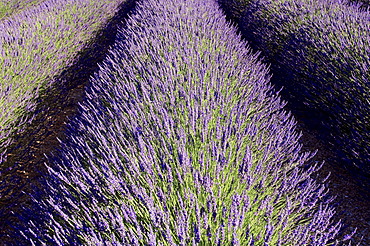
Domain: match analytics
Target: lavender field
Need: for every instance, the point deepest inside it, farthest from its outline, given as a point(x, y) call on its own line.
point(184, 122)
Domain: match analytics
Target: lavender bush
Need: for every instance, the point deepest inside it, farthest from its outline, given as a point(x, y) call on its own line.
point(364, 4)
point(8, 7)
point(36, 44)
point(320, 51)
point(181, 140)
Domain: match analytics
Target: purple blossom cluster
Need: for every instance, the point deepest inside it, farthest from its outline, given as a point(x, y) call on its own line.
point(320, 53)
point(36, 44)
point(363, 4)
point(8, 7)
point(182, 140)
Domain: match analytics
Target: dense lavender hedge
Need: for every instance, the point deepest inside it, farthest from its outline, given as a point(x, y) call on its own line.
point(320, 53)
point(36, 44)
point(8, 7)
point(181, 140)
point(363, 4)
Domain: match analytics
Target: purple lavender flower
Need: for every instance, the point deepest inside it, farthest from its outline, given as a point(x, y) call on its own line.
point(234, 160)
point(37, 42)
point(320, 53)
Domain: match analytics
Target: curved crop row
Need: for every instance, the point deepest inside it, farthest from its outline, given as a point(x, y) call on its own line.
point(181, 140)
point(36, 44)
point(320, 51)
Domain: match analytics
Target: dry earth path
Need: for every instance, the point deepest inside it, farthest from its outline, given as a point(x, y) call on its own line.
point(26, 158)
point(352, 201)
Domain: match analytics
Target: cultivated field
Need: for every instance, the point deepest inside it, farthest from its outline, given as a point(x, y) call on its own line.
point(184, 122)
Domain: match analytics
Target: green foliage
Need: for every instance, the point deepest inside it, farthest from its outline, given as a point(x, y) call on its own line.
point(38, 44)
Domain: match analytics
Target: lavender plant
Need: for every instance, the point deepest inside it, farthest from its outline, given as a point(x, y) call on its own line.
point(320, 51)
point(8, 7)
point(363, 4)
point(182, 140)
point(36, 44)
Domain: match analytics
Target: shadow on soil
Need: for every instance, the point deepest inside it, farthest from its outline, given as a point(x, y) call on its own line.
point(348, 184)
point(26, 156)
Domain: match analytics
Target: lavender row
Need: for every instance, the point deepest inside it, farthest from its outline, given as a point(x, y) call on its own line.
point(8, 7)
point(320, 51)
point(36, 44)
point(363, 4)
point(182, 140)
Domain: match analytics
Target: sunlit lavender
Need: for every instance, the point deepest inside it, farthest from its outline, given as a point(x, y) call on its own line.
point(182, 140)
point(320, 53)
point(36, 44)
